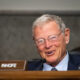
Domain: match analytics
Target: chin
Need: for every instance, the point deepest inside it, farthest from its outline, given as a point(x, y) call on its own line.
point(50, 61)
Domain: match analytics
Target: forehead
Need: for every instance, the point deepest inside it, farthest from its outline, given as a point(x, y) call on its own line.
point(47, 28)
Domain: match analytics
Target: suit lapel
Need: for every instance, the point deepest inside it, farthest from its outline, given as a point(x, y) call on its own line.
point(40, 66)
point(71, 64)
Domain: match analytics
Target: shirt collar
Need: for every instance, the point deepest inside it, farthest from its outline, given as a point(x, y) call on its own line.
point(62, 66)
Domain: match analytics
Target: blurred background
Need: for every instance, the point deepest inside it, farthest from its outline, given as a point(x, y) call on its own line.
point(17, 16)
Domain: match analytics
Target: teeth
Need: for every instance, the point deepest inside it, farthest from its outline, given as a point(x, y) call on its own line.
point(51, 52)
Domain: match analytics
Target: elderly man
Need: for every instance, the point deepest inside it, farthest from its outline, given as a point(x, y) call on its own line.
point(51, 38)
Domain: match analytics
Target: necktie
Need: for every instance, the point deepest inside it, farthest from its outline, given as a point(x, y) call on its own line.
point(53, 69)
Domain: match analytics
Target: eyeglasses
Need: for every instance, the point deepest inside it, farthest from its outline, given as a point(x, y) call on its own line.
point(51, 38)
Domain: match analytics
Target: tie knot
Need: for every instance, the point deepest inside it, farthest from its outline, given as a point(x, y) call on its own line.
point(53, 69)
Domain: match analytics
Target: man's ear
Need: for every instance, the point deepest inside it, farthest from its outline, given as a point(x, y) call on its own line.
point(67, 35)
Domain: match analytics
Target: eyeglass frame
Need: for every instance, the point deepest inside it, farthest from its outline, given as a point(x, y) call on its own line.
point(55, 38)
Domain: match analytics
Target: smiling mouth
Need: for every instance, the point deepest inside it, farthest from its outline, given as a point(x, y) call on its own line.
point(50, 52)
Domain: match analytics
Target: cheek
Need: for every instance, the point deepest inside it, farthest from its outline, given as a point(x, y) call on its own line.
point(60, 46)
point(41, 51)
point(60, 50)
point(40, 48)
point(56, 44)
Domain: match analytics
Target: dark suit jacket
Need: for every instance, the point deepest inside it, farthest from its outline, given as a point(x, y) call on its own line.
point(73, 64)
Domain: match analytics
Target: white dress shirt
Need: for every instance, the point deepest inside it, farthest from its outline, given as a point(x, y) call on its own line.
point(62, 66)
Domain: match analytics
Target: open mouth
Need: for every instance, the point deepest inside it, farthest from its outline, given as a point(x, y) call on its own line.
point(50, 52)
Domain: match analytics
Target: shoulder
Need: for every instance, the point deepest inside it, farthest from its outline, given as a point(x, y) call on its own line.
point(35, 61)
point(75, 57)
point(34, 64)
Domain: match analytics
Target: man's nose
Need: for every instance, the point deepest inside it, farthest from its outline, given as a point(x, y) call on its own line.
point(47, 44)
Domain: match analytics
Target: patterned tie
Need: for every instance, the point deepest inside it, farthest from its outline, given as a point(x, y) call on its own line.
point(53, 69)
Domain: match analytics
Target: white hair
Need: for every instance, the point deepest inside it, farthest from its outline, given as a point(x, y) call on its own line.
point(47, 18)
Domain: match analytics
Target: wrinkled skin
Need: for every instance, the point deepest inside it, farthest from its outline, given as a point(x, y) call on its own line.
point(52, 52)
